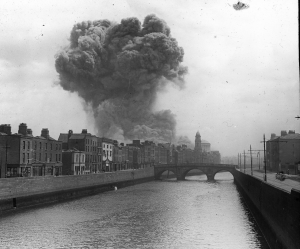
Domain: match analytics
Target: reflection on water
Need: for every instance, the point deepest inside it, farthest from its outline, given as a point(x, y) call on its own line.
point(161, 214)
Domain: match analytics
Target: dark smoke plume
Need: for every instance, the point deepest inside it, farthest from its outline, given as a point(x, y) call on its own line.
point(118, 69)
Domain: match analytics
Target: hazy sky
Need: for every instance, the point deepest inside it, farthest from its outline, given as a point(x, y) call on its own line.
point(243, 76)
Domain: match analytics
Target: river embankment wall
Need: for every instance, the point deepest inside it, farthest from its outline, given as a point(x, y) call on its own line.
point(276, 211)
point(23, 192)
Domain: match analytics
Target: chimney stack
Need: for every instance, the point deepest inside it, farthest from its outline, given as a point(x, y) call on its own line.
point(291, 131)
point(29, 131)
point(70, 133)
point(283, 133)
point(84, 131)
point(45, 133)
point(273, 135)
point(22, 129)
point(5, 128)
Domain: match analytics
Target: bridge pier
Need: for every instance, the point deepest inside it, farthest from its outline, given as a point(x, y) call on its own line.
point(180, 178)
point(210, 177)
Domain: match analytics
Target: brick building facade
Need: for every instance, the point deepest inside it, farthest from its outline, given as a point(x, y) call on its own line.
point(22, 154)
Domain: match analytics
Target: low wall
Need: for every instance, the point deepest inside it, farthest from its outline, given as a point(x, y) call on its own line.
point(277, 212)
point(23, 192)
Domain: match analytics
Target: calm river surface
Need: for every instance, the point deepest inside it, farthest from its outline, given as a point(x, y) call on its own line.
point(159, 214)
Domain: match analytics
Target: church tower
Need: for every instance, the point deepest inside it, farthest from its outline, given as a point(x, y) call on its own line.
point(198, 149)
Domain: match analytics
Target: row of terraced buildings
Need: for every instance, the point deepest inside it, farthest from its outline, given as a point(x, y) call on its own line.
point(24, 155)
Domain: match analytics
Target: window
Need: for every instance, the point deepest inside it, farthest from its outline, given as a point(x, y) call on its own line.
point(23, 145)
point(28, 157)
point(76, 158)
point(50, 146)
point(56, 147)
point(110, 153)
point(46, 157)
point(56, 157)
point(59, 157)
point(40, 157)
point(35, 145)
point(24, 157)
point(28, 145)
point(40, 145)
point(46, 146)
point(50, 157)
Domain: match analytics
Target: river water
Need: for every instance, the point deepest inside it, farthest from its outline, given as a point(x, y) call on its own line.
point(159, 214)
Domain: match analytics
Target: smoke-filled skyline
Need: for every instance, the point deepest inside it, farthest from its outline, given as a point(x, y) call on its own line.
point(242, 81)
point(118, 69)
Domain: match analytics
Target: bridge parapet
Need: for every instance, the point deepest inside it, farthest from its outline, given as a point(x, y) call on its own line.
point(180, 170)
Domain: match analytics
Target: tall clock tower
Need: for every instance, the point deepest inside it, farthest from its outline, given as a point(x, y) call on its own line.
point(198, 149)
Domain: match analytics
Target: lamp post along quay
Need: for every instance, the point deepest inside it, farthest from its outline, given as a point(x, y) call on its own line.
point(251, 157)
point(245, 160)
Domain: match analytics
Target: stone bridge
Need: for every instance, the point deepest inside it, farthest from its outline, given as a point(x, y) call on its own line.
point(181, 170)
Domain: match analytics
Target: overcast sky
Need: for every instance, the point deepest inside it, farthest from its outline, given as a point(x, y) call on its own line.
point(243, 76)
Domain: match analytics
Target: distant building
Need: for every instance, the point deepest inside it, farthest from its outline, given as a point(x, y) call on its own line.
point(89, 144)
point(73, 162)
point(107, 154)
point(198, 148)
point(283, 152)
point(117, 156)
point(205, 146)
point(215, 157)
point(149, 153)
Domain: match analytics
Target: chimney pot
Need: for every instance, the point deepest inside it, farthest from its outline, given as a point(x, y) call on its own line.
point(283, 133)
point(5, 128)
point(45, 133)
point(22, 129)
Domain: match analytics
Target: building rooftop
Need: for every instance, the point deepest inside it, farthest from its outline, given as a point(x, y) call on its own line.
point(291, 136)
point(77, 136)
point(63, 137)
point(286, 137)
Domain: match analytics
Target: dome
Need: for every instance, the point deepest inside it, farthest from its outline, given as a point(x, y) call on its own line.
point(204, 142)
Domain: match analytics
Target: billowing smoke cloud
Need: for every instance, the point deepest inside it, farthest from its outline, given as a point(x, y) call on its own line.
point(118, 69)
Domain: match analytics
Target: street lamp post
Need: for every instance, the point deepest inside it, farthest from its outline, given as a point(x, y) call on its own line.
point(251, 160)
point(265, 158)
point(258, 154)
point(244, 161)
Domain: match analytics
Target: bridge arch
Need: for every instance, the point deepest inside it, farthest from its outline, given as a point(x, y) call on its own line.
point(160, 172)
point(220, 171)
point(185, 172)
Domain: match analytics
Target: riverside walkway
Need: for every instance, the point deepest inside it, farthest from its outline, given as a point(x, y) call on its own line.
point(291, 182)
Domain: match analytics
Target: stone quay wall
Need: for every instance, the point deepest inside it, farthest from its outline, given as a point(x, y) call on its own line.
point(277, 212)
point(23, 192)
